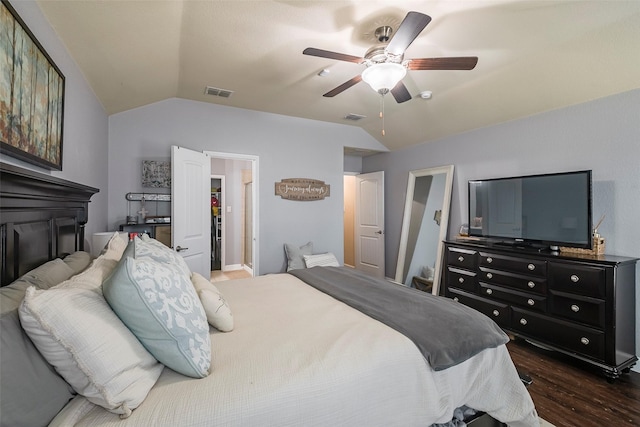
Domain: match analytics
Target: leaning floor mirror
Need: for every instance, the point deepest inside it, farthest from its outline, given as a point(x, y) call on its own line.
point(424, 227)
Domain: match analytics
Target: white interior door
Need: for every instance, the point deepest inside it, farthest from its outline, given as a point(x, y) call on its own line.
point(191, 208)
point(369, 227)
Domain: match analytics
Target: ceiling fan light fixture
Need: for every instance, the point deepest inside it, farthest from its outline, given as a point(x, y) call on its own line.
point(384, 77)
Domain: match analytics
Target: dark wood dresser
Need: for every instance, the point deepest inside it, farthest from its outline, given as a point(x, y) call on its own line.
point(580, 305)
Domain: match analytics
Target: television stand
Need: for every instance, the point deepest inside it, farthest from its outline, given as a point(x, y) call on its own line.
point(577, 304)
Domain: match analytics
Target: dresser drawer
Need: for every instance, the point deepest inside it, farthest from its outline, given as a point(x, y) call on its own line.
point(517, 281)
point(463, 258)
point(586, 310)
point(578, 279)
point(579, 339)
point(531, 267)
point(500, 313)
point(461, 279)
point(533, 302)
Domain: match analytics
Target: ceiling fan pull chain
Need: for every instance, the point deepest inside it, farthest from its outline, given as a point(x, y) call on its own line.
point(382, 112)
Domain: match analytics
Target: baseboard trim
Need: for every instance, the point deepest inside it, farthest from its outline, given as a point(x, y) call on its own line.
point(232, 267)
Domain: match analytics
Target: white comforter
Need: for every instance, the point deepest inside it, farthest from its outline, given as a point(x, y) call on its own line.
point(297, 357)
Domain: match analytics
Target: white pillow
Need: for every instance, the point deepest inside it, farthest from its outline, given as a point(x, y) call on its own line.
point(74, 328)
point(215, 306)
point(114, 247)
point(428, 272)
point(321, 260)
point(93, 276)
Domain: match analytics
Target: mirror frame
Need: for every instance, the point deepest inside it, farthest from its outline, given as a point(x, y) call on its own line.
point(444, 221)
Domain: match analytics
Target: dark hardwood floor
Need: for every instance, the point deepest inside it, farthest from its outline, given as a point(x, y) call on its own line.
point(569, 393)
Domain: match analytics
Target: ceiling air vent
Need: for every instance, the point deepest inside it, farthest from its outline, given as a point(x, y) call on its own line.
point(215, 91)
point(354, 117)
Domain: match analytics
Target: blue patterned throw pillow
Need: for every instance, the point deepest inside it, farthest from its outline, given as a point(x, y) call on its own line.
point(157, 302)
point(148, 247)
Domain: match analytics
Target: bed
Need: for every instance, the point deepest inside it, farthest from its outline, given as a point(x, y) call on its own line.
point(293, 354)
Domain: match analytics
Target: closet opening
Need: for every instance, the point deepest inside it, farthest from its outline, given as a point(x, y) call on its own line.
point(234, 207)
point(217, 221)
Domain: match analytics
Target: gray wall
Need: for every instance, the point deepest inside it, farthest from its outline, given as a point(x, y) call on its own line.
point(85, 131)
point(353, 164)
point(602, 135)
point(287, 148)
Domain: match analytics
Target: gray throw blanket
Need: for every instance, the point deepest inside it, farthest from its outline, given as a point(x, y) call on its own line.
point(446, 332)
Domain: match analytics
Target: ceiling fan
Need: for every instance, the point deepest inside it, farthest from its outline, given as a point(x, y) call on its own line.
point(386, 66)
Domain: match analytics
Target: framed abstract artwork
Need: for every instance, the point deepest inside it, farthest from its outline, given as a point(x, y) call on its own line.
point(156, 174)
point(31, 95)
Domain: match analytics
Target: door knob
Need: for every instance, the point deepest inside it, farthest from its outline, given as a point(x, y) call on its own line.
point(180, 249)
point(379, 232)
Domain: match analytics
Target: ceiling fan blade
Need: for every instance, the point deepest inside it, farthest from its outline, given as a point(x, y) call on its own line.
point(332, 55)
point(400, 93)
point(407, 32)
point(450, 63)
point(344, 86)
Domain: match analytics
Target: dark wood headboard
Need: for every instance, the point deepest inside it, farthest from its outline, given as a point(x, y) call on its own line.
point(41, 218)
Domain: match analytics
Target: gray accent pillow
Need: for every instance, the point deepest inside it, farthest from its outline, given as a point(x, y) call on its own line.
point(295, 255)
point(48, 274)
point(32, 391)
point(78, 261)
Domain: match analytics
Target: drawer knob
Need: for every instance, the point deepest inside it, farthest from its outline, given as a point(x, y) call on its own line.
point(489, 291)
point(574, 278)
point(530, 301)
point(523, 321)
point(584, 340)
point(489, 259)
point(496, 313)
point(575, 308)
point(489, 275)
point(456, 299)
point(531, 284)
point(460, 258)
point(531, 267)
point(461, 279)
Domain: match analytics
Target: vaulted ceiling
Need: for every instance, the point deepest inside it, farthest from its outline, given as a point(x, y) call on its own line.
point(534, 56)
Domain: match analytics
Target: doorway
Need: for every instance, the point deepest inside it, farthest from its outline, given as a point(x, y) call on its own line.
point(364, 238)
point(238, 211)
point(248, 223)
point(217, 221)
point(349, 220)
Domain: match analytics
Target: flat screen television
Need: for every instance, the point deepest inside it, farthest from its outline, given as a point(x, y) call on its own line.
point(540, 211)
